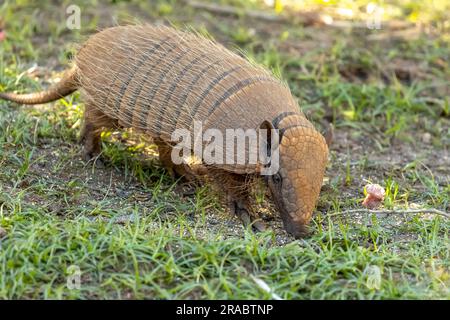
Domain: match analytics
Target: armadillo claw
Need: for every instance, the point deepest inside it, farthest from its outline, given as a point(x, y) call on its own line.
point(247, 219)
point(244, 216)
point(259, 226)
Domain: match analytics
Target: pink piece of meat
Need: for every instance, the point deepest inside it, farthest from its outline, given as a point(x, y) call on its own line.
point(374, 197)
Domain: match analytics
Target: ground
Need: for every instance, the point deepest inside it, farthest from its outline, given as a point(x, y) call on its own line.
point(133, 232)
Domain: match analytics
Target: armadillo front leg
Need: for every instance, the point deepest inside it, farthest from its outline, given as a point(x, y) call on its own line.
point(243, 209)
point(238, 197)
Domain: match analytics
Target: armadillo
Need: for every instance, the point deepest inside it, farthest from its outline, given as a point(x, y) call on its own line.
point(158, 79)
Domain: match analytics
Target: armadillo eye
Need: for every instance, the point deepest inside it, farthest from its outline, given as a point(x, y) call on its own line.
point(277, 179)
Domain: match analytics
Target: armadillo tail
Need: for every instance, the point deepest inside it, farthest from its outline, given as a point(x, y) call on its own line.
point(66, 86)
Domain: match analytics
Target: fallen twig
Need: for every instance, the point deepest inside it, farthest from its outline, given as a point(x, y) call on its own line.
point(230, 10)
point(306, 18)
point(410, 33)
point(407, 211)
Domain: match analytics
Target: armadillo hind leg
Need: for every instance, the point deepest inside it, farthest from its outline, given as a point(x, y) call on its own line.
point(90, 138)
point(94, 122)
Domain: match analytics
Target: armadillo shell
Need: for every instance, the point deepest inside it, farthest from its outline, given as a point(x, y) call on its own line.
point(158, 79)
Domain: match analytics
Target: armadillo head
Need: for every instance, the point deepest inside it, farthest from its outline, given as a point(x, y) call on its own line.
point(295, 188)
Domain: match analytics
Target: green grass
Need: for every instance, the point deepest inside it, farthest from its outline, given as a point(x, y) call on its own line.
point(134, 233)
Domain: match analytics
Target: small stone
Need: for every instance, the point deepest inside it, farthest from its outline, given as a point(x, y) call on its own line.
point(426, 138)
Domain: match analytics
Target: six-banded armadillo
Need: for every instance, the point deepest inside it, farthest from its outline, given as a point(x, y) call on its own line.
point(158, 79)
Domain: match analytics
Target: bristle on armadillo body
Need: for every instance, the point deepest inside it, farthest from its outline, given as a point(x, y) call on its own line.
point(158, 79)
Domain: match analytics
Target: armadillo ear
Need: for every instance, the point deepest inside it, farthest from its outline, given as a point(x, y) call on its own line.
point(266, 127)
point(266, 136)
point(329, 134)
